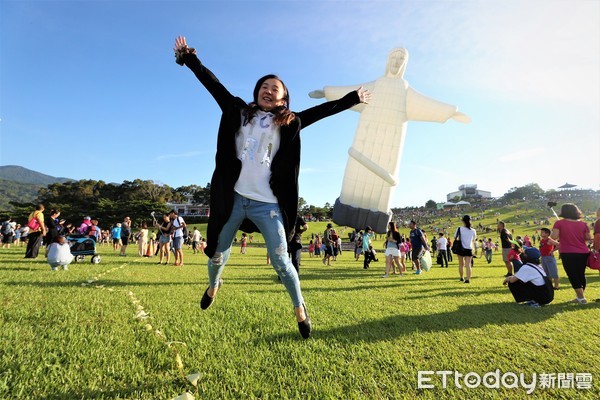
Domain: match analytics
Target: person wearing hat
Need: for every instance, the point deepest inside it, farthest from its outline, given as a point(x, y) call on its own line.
point(85, 226)
point(255, 183)
point(530, 284)
point(116, 236)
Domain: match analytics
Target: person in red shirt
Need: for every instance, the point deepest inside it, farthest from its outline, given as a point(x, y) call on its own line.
point(514, 255)
point(547, 248)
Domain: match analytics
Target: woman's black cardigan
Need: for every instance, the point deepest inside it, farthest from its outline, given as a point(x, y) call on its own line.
point(285, 165)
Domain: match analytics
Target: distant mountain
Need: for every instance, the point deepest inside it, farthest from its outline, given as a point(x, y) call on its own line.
point(23, 175)
point(21, 185)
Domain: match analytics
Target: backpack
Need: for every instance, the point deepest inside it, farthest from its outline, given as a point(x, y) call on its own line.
point(184, 230)
point(549, 286)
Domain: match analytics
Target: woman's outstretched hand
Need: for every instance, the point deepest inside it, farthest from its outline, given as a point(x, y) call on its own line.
point(364, 95)
point(180, 43)
point(182, 48)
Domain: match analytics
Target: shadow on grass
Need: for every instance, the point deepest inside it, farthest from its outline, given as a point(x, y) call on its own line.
point(107, 393)
point(464, 317)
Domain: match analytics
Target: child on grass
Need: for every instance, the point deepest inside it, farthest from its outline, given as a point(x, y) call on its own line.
point(311, 248)
point(514, 255)
point(547, 248)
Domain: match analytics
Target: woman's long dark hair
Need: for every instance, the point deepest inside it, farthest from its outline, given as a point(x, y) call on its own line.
point(392, 226)
point(283, 115)
point(393, 230)
point(467, 220)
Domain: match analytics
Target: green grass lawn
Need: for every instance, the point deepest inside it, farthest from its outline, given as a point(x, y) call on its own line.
point(128, 328)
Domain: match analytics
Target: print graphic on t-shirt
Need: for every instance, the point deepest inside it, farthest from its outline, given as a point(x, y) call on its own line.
point(258, 141)
point(250, 147)
point(265, 121)
point(267, 157)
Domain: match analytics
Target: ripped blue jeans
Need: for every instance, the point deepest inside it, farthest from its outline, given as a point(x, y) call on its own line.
point(267, 218)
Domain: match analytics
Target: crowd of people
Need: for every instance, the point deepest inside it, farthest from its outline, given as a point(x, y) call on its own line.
point(55, 235)
point(532, 272)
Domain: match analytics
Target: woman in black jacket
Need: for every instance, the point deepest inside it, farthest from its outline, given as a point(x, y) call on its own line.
point(53, 229)
point(255, 183)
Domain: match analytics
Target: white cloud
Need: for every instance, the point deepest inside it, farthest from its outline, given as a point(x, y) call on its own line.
point(522, 155)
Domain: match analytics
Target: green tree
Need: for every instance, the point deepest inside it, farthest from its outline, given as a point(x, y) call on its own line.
point(431, 204)
point(301, 203)
point(202, 195)
point(530, 191)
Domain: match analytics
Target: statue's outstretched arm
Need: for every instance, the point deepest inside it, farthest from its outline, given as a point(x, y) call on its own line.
point(422, 108)
point(337, 92)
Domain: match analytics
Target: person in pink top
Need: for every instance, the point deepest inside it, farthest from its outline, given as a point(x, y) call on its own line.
point(572, 235)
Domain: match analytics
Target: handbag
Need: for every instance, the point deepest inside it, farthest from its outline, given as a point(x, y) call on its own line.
point(425, 260)
point(33, 224)
point(593, 260)
point(457, 247)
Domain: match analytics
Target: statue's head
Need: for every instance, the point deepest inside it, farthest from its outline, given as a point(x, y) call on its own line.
point(396, 62)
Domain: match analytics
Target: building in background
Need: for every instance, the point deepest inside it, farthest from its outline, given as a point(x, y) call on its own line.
point(189, 209)
point(469, 191)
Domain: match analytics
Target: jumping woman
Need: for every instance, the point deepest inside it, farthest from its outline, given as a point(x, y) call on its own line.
point(255, 183)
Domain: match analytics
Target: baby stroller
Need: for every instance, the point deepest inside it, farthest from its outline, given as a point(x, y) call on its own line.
point(82, 246)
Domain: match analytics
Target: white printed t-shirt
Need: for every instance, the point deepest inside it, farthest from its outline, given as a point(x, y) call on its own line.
point(467, 237)
point(257, 143)
point(528, 273)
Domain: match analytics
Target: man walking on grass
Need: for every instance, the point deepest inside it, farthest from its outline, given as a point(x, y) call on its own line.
point(417, 242)
point(178, 225)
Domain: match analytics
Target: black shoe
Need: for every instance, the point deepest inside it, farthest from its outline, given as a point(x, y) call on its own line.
point(467, 281)
point(462, 280)
point(305, 326)
point(206, 300)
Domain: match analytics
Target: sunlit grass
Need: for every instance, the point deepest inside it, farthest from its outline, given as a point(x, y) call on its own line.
point(371, 335)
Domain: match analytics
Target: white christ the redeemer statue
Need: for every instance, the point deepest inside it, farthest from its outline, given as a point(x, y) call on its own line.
point(371, 173)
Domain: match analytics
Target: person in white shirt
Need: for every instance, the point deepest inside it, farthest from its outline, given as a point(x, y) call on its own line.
point(530, 283)
point(196, 236)
point(468, 235)
point(442, 244)
point(59, 254)
point(177, 224)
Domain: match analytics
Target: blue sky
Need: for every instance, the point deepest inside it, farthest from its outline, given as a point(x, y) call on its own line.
point(90, 89)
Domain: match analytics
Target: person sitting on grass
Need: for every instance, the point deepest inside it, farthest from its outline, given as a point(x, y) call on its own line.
point(59, 254)
point(530, 284)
